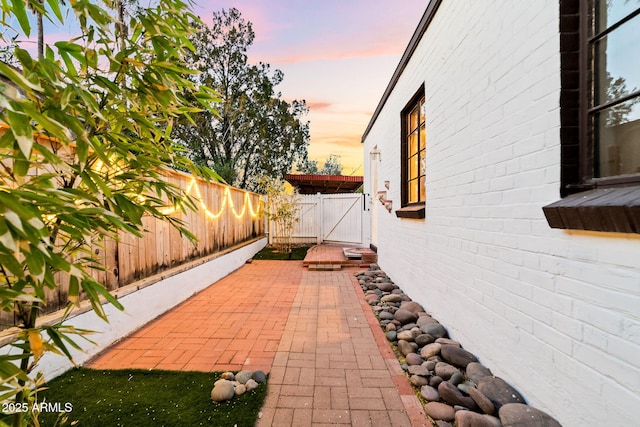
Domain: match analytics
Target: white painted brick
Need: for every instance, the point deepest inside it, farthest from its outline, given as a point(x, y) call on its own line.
point(631, 330)
point(627, 351)
point(595, 337)
point(555, 310)
point(557, 340)
point(603, 362)
point(567, 325)
point(608, 320)
point(624, 408)
point(542, 296)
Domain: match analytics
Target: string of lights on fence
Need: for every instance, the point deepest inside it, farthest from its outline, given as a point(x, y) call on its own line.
point(226, 200)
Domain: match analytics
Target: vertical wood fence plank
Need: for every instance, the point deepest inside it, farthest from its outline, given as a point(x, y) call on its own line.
point(130, 258)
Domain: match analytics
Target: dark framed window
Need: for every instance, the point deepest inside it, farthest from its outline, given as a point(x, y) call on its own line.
point(613, 114)
point(413, 158)
point(600, 116)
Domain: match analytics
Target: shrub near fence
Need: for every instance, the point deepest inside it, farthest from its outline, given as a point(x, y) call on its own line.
point(225, 217)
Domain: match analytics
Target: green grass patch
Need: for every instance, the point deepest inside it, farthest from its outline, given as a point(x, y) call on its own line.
point(136, 397)
point(269, 252)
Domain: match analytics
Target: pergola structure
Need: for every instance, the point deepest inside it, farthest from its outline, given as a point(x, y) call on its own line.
point(325, 184)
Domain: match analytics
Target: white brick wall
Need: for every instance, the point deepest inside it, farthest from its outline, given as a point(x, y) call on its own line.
point(556, 313)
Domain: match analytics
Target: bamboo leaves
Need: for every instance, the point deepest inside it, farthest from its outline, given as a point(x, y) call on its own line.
point(87, 136)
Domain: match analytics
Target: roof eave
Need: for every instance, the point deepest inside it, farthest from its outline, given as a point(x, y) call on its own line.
point(406, 56)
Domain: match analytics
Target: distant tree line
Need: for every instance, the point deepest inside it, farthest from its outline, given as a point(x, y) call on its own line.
point(332, 166)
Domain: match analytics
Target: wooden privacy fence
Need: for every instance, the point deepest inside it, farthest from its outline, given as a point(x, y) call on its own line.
point(226, 217)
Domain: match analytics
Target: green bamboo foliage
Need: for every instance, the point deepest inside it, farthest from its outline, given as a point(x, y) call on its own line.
point(283, 211)
point(84, 138)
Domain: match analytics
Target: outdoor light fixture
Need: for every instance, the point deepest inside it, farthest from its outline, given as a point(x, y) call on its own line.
point(227, 199)
point(382, 197)
point(193, 186)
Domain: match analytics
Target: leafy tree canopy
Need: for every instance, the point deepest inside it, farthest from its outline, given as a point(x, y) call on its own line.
point(332, 166)
point(256, 133)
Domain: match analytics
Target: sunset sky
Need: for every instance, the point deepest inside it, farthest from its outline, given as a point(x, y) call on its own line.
point(338, 55)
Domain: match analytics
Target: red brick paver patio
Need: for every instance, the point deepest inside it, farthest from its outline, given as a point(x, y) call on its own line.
point(328, 359)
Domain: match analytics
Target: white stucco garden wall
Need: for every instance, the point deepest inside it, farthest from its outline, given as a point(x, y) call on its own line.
point(145, 305)
point(555, 313)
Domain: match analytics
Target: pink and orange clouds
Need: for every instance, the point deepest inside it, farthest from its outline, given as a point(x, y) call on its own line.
point(338, 55)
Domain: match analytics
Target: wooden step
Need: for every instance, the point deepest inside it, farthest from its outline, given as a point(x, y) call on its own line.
point(325, 267)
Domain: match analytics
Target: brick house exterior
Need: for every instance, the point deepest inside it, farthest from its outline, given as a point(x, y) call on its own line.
point(555, 311)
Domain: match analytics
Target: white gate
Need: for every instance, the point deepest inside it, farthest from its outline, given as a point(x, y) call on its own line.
point(331, 218)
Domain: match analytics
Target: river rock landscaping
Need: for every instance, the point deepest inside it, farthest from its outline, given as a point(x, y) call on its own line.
point(457, 390)
point(230, 385)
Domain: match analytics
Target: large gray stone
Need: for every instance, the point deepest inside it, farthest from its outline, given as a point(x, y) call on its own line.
point(251, 384)
point(372, 299)
point(259, 376)
point(385, 286)
point(473, 419)
point(414, 359)
point(418, 370)
point(228, 376)
point(450, 394)
point(445, 370)
point(430, 365)
point(418, 380)
point(405, 316)
point(423, 339)
point(430, 350)
point(499, 392)
point(406, 326)
point(406, 347)
point(429, 393)
point(448, 341)
point(243, 376)
point(481, 400)
point(412, 306)
point(475, 371)
point(425, 319)
point(436, 330)
point(456, 378)
point(385, 315)
point(223, 390)
point(520, 415)
point(240, 389)
point(464, 386)
point(435, 381)
point(391, 298)
point(405, 335)
point(440, 411)
point(457, 356)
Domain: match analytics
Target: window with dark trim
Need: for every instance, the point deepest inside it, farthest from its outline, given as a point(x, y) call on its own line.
point(600, 116)
point(413, 158)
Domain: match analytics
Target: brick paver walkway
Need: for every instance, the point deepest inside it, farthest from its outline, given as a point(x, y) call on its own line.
point(328, 359)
